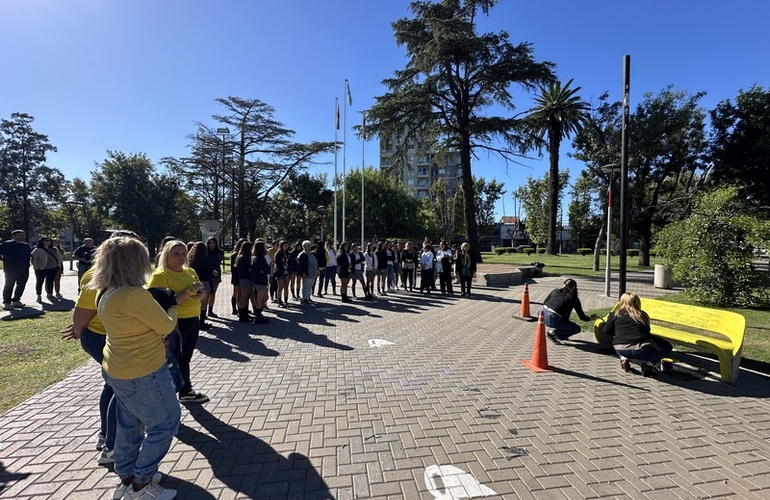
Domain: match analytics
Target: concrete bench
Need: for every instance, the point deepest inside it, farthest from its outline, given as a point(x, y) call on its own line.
point(708, 330)
point(499, 279)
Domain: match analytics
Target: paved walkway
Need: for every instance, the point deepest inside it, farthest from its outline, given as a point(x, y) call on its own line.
point(414, 397)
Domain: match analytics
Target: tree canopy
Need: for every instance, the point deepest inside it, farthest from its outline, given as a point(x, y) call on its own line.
point(453, 76)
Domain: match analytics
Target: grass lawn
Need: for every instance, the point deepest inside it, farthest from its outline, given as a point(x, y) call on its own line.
point(573, 264)
point(32, 356)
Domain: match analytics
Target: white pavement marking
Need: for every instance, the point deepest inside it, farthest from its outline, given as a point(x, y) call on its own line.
point(379, 342)
point(457, 483)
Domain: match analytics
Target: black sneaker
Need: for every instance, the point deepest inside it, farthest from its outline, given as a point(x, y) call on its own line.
point(193, 397)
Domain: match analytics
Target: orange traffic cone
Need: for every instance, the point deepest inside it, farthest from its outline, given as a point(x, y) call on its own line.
point(524, 310)
point(539, 361)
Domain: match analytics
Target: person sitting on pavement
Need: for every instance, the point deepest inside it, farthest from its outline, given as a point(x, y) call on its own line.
point(558, 306)
point(629, 328)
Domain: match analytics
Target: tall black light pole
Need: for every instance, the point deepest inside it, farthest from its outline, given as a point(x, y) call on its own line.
point(624, 176)
point(224, 132)
point(610, 170)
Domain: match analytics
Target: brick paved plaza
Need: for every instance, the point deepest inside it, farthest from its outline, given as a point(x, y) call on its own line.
point(414, 397)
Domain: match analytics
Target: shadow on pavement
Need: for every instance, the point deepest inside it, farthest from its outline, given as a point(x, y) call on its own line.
point(232, 346)
point(7, 476)
point(247, 465)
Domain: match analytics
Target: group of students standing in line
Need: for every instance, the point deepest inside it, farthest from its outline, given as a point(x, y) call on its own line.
point(283, 269)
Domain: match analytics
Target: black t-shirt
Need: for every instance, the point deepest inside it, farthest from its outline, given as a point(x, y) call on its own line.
point(15, 255)
point(86, 253)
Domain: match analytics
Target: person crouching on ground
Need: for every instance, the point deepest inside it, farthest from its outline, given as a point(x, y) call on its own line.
point(134, 365)
point(558, 306)
point(629, 328)
point(175, 273)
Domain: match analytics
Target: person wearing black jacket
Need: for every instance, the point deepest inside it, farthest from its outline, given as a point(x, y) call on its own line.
point(320, 257)
point(197, 256)
point(343, 269)
point(407, 259)
point(558, 306)
point(260, 277)
point(465, 267)
point(281, 272)
point(629, 328)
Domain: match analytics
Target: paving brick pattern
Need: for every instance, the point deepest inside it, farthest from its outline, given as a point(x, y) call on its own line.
point(307, 408)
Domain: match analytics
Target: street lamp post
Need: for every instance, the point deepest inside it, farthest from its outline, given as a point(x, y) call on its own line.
point(224, 132)
point(610, 170)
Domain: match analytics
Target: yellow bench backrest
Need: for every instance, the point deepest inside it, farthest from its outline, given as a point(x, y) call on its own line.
point(731, 325)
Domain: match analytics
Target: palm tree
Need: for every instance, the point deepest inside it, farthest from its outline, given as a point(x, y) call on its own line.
point(558, 112)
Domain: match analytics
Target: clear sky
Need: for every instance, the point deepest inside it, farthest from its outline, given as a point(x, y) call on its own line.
point(135, 75)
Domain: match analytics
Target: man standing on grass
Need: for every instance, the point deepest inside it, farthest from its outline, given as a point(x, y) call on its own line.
point(84, 254)
point(15, 254)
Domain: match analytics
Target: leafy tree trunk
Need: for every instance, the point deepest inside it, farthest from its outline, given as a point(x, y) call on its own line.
point(553, 192)
point(469, 202)
point(645, 237)
point(598, 246)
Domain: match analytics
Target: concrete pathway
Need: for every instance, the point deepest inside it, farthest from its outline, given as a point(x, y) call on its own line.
point(414, 397)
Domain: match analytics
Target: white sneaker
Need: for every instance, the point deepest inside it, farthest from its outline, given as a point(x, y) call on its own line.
point(8, 307)
point(120, 488)
point(107, 457)
point(149, 492)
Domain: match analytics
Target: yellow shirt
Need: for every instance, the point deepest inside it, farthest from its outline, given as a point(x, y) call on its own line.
point(136, 326)
point(191, 306)
point(87, 300)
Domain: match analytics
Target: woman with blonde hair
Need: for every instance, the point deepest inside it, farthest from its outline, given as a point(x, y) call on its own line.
point(629, 328)
point(134, 366)
point(174, 272)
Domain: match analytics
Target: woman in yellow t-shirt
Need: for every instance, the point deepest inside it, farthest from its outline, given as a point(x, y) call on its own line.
point(174, 272)
point(134, 365)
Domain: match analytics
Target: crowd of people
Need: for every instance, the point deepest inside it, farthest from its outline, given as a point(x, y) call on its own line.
point(304, 269)
point(142, 324)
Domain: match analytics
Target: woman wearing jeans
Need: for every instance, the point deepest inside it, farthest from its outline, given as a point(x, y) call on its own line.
point(134, 366)
point(87, 327)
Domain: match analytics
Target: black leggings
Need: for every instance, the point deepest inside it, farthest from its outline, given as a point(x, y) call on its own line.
point(46, 275)
point(465, 284)
point(407, 275)
point(188, 338)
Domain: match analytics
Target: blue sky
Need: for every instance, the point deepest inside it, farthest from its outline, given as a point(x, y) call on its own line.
point(135, 75)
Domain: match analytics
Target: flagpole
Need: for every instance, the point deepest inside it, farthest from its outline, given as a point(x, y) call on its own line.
point(363, 155)
point(344, 153)
point(334, 183)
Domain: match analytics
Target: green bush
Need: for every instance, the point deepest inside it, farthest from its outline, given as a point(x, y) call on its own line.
point(710, 251)
point(603, 251)
point(632, 252)
point(528, 250)
point(584, 251)
point(510, 250)
point(540, 250)
point(500, 250)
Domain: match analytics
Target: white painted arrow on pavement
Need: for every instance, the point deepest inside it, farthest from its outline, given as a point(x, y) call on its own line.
point(457, 483)
point(379, 342)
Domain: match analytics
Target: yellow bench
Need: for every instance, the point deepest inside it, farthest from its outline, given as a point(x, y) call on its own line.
point(710, 330)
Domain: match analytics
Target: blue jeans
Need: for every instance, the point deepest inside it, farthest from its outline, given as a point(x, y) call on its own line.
point(651, 352)
point(144, 405)
point(93, 344)
point(562, 329)
point(391, 276)
point(331, 277)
